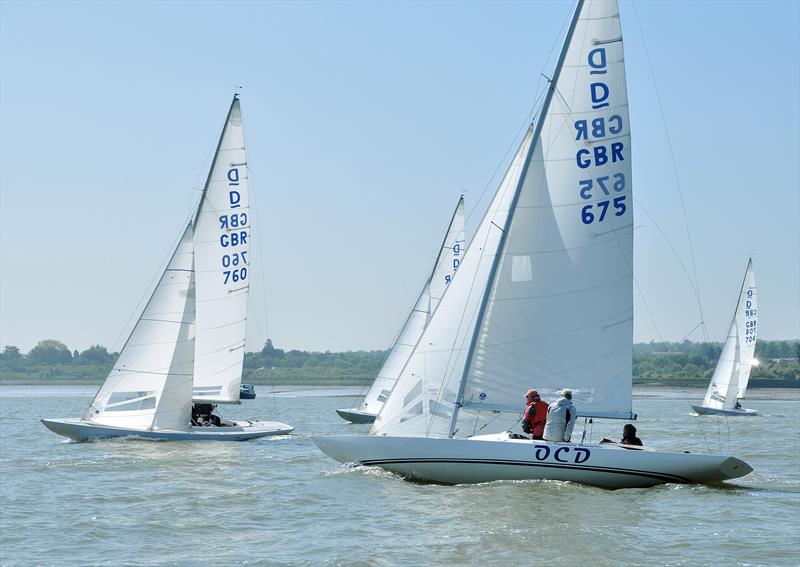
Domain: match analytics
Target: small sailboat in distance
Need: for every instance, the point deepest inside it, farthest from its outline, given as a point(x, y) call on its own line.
point(188, 344)
point(732, 373)
point(543, 298)
point(445, 266)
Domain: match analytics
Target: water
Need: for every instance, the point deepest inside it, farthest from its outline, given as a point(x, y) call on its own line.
point(280, 501)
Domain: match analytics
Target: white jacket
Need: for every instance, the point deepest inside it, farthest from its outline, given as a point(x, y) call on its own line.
point(558, 427)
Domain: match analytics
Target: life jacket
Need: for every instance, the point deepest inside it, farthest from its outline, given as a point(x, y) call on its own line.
point(534, 418)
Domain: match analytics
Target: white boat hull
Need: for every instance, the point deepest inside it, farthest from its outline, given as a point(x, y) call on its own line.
point(355, 416)
point(496, 457)
point(241, 430)
point(702, 410)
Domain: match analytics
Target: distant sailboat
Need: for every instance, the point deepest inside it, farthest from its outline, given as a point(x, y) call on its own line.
point(729, 382)
point(188, 344)
point(444, 268)
point(543, 298)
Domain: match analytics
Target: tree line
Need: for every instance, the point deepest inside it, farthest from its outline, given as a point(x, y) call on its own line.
point(672, 364)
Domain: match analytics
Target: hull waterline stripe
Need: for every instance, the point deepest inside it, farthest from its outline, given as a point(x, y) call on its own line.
point(628, 472)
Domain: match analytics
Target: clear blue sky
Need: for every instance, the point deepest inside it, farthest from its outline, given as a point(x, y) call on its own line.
point(365, 121)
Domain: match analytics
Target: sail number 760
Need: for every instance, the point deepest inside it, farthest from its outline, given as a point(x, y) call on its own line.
point(602, 186)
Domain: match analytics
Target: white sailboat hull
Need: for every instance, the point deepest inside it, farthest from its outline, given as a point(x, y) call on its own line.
point(355, 416)
point(496, 457)
point(702, 410)
point(241, 430)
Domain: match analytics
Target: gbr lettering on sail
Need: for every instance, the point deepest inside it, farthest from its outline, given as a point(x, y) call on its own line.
point(605, 193)
point(233, 233)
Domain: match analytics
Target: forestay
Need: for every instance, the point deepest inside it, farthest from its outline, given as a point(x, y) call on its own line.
point(222, 264)
point(151, 383)
point(732, 373)
point(544, 296)
point(447, 262)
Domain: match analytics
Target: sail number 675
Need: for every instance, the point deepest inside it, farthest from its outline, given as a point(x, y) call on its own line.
point(604, 185)
point(597, 212)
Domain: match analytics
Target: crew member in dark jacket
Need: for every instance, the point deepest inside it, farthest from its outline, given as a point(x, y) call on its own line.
point(629, 435)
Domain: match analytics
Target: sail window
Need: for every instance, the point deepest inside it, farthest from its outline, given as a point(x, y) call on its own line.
point(413, 394)
point(521, 269)
point(131, 401)
point(207, 391)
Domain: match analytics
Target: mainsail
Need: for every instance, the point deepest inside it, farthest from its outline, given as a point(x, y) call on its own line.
point(544, 296)
point(447, 262)
point(222, 263)
point(151, 383)
point(729, 382)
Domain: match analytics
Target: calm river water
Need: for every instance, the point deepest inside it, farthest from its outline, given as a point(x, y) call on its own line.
point(280, 501)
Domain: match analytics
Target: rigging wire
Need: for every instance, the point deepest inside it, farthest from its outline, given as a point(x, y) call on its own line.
point(696, 285)
point(697, 421)
point(529, 117)
point(695, 289)
point(264, 333)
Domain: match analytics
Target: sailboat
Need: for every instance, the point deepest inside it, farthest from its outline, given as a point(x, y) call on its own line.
point(185, 353)
point(447, 261)
point(543, 298)
point(729, 382)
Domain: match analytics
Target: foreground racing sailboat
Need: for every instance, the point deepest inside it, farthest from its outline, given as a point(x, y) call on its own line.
point(543, 298)
point(729, 382)
point(188, 344)
point(444, 267)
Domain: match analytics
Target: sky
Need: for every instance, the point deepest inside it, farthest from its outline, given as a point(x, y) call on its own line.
point(365, 121)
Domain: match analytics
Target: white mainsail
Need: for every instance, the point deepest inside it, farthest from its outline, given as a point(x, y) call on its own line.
point(150, 386)
point(548, 277)
point(222, 262)
point(447, 262)
point(732, 373)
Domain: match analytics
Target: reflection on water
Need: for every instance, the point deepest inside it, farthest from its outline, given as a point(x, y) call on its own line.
point(278, 500)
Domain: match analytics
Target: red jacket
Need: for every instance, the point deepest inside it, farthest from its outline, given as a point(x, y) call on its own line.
point(534, 418)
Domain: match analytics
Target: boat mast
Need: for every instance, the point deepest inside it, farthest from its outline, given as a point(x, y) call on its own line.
point(493, 272)
point(214, 160)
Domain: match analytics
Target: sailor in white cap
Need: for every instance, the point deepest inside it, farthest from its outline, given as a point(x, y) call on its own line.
point(561, 417)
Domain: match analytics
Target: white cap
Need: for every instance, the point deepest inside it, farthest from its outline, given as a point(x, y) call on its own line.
point(567, 393)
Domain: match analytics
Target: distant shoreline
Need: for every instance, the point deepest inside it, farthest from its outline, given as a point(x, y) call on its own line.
point(639, 390)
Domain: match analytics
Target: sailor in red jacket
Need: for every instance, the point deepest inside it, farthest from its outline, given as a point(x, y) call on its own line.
point(535, 415)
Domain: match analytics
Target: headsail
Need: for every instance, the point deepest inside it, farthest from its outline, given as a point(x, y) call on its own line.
point(548, 277)
point(421, 401)
point(732, 373)
point(151, 383)
point(222, 263)
point(444, 268)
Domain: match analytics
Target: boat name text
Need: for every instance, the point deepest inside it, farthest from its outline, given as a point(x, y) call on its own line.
point(580, 454)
